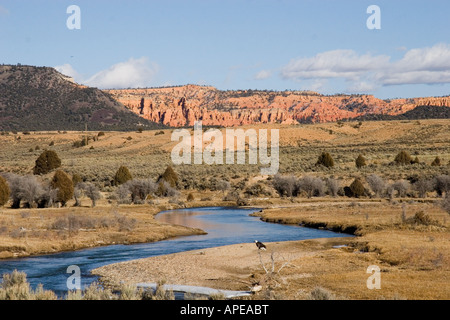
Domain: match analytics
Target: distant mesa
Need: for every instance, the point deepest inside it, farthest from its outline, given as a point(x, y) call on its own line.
point(41, 98)
point(183, 105)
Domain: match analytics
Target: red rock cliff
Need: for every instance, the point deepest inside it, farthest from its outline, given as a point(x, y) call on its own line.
point(180, 106)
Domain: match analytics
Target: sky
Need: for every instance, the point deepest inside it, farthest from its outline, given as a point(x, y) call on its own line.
point(400, 49)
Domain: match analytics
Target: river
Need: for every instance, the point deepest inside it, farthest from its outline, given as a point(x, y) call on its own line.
point(224, 226)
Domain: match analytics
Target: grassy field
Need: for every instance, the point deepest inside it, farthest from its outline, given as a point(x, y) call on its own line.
point(147, 154)
point(25, 232)
point(406, 236)
point(412, 253)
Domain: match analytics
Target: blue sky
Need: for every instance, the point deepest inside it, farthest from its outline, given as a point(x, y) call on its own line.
point(319, 45)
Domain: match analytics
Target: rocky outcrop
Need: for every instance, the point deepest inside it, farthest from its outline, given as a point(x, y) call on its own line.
point(183, 105)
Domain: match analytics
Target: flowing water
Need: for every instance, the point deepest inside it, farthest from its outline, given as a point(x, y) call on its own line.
point(224, 226)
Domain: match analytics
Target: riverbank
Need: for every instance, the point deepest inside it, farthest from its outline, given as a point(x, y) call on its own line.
point(30, 232)
point(409, 242)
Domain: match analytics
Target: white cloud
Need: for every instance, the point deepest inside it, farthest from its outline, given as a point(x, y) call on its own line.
point(130, 74)
point(68, 70)
point(345, 64)
point(133, 73)
point(423, 65)
point(367, 72)
point(263, 74)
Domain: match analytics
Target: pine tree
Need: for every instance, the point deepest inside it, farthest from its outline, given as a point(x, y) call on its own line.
point(76, 178)
point(436, 162)
point(190, 197)
point(326, 160)
point(360, 161)
point(403, 158)
point(357, 188)
point(122, 176)
point(169, 176)
point(64, 185)
point(46, 162)
point(4, 191)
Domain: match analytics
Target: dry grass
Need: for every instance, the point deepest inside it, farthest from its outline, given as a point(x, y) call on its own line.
point(412, 251)
point(147, 154)
point(413, 257)
point(15, 286)
point(26, 232)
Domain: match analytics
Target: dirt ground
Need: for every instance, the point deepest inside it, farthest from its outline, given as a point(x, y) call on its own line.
point(413, 260)
point(229, 267)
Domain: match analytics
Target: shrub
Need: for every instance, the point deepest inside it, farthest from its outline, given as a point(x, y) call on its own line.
point(25, 188)
point(421, 218)
point(403, 158)
point(422, 186)
point(91, 191)
point(326, 160)
point(401, 186)
point(311, 185)
point(48, 197)
point(222, 185)
point(377, 184)
point(64, 185)
point(76, 178)
point(95, 292)
point(436, 162)
point(46, 162)
point(190, 197)
point(320, 293)
point(140, 189)
point(446, 203)
point(285, 186)
point(4, 191)
point(441, 184)
point(123, 193)
point(122, 175)
point(77, 193)
point(231, 196)
point(333, 186)
point(16, 287)
point(169, 176)
point(125, 223)
point(165, 190)
point(81, 143)
point(360, 161)
point(357, 188)
point(255, 190)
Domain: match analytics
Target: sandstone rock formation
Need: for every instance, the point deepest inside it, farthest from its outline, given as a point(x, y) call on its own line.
point(183, 105)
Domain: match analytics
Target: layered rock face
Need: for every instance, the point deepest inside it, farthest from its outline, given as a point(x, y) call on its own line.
point(183, 105)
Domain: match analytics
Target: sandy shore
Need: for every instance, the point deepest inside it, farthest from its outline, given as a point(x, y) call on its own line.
point(231, 267)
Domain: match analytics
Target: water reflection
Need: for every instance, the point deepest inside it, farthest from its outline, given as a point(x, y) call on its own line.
point(186, 218)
